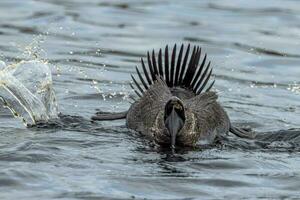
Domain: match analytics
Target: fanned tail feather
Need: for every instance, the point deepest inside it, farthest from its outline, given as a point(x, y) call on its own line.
point(179, 70)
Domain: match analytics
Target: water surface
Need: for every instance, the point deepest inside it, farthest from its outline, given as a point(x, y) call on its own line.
point(95, 45)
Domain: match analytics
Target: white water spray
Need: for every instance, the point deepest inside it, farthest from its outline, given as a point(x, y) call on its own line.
point(26, 90)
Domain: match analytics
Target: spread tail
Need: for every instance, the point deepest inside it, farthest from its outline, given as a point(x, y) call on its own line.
point(180, 70)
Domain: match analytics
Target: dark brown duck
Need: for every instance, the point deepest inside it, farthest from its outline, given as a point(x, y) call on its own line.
point(175, 105)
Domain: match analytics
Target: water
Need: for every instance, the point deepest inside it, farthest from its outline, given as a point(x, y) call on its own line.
point(26, 89)
point(93, 47)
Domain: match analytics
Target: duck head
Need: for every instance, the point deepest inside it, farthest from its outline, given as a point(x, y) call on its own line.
point(174, 119)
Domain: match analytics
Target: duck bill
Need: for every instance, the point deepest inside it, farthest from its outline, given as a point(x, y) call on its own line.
point(173, 124)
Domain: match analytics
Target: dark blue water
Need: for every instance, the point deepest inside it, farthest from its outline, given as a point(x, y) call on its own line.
point(95, 45)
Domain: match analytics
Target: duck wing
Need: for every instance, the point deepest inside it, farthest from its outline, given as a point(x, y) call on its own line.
point(207, 109)
point(210, 116)
point(142, 114)
point(202, 101)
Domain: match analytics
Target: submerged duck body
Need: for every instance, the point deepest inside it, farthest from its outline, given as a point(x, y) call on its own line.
point(175, 105)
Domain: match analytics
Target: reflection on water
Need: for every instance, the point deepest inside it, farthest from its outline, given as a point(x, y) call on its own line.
point(94, 46)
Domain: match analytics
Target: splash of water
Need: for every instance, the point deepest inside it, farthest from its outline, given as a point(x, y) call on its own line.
point(26, 90)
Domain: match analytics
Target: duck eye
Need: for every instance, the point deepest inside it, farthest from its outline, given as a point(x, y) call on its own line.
point(178, 106)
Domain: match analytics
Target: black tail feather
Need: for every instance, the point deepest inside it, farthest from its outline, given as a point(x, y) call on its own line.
point(137, 93)
point(182, 70)
point(190, 72)
point(160, 66)
point(152, 72)
point(199, 71)
point(178, 65)
point(210, 86)
point(132, 98)
point(196, 69)
point(167, 74)
point(172, 66)
point(141, 78)
point(205, 82)
point(137, 85)
point(202, 76)
point(146, 72)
